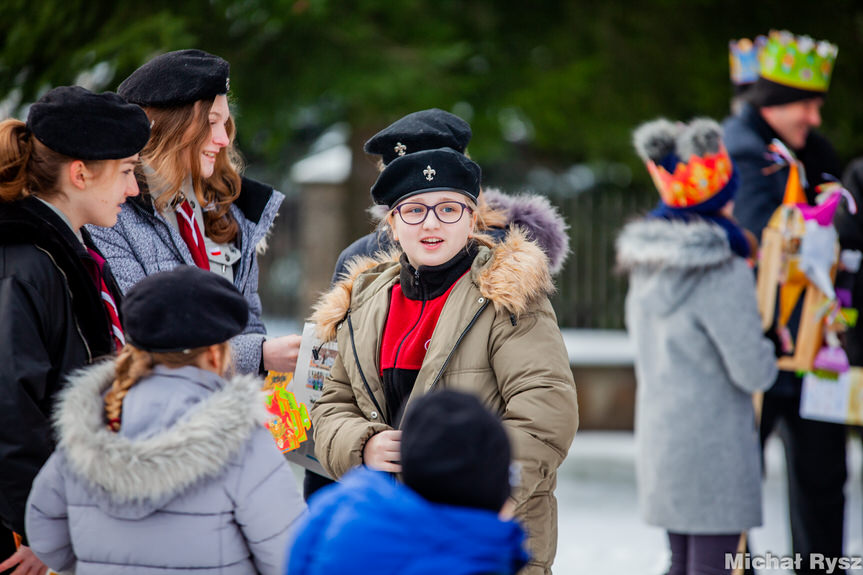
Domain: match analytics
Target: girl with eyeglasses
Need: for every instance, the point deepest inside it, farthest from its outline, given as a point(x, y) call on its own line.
point(448, 309)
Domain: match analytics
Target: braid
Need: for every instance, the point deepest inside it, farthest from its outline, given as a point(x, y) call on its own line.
point(132, 365)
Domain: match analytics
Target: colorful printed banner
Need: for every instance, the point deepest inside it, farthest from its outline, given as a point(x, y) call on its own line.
point(291, 396)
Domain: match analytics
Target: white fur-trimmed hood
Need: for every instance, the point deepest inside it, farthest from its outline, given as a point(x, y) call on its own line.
point(151, 470)
point(659, 243)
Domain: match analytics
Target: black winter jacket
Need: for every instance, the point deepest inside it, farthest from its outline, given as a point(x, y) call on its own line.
point(52, 321)
point(747, 136)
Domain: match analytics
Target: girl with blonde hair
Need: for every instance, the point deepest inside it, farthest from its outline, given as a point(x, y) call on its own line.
point(450, 308)
point(162, 463)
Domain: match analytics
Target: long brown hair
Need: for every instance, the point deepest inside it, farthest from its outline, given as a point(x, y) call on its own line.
point(133, 364)
point(27, 166)
point(176, 138)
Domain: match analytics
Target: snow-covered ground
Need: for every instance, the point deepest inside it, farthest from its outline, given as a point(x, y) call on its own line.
point(600, 530)
point(602, 533)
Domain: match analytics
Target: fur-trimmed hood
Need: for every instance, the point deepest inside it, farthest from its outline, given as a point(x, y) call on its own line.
point(659, 243)
point(667, 259)
point(133, 476)
point(512, 275)
point(533, 213)
point(539, 219)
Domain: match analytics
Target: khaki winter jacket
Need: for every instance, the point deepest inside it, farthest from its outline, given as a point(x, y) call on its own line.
point(497, 337)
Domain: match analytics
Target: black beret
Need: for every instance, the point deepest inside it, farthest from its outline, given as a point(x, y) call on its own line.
point(455, 451)
point(427, 171)
point(184, 308)
point(423, 130)
point(85, 126)
point(177, 78)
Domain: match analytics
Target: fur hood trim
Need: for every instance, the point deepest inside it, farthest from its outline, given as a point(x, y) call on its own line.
point(659, 243)
point(158, 467)
point(540, 220)
point(512, 275)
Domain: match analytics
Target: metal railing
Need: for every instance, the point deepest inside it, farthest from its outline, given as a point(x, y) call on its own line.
point(590, 291)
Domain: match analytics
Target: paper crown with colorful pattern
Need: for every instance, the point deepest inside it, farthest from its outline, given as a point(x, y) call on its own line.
point(743, 61)
point(689, 164)
point(798, 61)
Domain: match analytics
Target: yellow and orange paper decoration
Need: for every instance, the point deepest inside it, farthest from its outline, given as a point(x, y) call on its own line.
point(694, 182)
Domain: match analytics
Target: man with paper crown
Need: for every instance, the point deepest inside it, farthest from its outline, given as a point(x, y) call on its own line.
point(743, 66)
point(784, 104)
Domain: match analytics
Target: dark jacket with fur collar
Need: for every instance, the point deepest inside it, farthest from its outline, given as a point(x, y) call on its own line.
point(52, 321)
point(496, 338)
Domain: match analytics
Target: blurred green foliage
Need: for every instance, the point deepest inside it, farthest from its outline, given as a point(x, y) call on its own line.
point(554, 82)
point(547, 86)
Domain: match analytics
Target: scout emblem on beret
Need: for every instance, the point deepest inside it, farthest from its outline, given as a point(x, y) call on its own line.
point(413, 174)
point(400, 149)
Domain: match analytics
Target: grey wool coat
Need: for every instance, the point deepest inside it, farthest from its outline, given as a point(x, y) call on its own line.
point(191, 483)
point(143, 243)
point(700, 354)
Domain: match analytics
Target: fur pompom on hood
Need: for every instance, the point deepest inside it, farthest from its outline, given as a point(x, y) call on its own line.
point(149, 471)
point(512, 275)
point(659, 243)
point(540, 220)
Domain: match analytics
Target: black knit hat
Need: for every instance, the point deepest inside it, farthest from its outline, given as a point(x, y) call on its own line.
point(423, 130)
point(177, 78)
point(181, 309)
point(427, 171)
point(86, 126)
point(455, 451)
point(764, 93)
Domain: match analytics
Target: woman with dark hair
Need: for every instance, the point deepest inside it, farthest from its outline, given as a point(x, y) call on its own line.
point(195, 208)
point(69, 165)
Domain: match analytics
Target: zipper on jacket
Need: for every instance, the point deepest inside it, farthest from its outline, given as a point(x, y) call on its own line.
point(458, 341)
point(416, 323)
point(359, 367)
point(71, 303)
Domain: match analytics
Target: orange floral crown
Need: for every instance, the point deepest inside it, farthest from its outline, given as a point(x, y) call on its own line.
point(694, 182)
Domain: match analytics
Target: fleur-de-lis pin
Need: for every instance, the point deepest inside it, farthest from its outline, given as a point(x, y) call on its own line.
point(400, 149)
point(429, 173)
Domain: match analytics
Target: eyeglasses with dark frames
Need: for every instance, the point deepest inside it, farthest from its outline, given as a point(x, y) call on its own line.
point(447, 212)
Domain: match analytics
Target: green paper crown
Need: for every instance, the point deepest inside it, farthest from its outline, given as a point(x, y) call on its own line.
point(798, 61)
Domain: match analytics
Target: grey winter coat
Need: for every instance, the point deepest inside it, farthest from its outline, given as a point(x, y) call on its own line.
point(191, 483)
point(692, 314)
point(143, 243)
